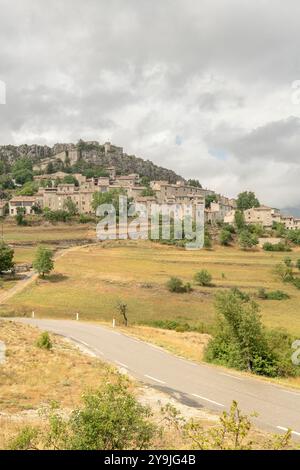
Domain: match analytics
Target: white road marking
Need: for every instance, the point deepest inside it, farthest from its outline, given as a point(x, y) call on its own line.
point(207, 399)
point(121, 364)
point(153, 378)
point(286, 429)
point(231, 376)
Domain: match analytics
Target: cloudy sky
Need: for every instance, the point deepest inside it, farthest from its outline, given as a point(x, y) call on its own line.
point(209, 88)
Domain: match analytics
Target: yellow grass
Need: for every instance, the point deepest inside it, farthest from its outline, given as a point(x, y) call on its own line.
point(92, 279)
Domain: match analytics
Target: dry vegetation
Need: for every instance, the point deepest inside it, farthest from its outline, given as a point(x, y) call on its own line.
point(137, 274)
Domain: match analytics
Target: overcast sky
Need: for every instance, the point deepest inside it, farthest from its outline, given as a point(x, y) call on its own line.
point(203, 87)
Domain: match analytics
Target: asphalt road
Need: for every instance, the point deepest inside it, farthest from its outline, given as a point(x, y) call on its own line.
point(197, 385)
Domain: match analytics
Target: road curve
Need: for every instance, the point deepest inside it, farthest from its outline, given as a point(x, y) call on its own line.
point(197, 385)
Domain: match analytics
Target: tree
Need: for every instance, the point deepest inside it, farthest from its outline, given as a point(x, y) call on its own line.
point(145, 181)
point(122, 308)
point(225, 237)
point(247, 200)
point(247, 240)
point(148, 192)
point(70, 179)
point(20, 217)
point(110, 197)
point(71, 207)
point(239, 220)
point(195, 183)
point(209, 199)
point(203, 278)
point(28, 189)
point(43, 262)
point(240, 339)
point(6, 257)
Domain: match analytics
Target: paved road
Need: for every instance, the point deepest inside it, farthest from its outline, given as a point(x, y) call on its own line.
point(197, 385)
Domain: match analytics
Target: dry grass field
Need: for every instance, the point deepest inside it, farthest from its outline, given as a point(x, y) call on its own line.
point(90, 280)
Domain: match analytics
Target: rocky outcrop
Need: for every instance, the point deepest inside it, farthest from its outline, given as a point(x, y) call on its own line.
point(92, 152)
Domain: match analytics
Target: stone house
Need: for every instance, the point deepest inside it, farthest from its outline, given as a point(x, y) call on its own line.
point(263, 215)
point(25, 202)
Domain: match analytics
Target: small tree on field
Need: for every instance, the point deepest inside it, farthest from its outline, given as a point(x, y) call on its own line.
point(203, 278)
point(175, 284)
point(122, 309)
point(6, 257)
point(43, 262)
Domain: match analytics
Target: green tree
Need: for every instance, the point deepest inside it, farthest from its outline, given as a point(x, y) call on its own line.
point(225, 237)
point(43, 262)
point(6, 257)
point(20, 217)
point(247, 200)
point(71, 207)
point(247, 240)
point(148, 192)
point(239, 220)
point(195, 183)
point(203, 278)
point(209, 199)
point(28, 189)
point(240, 339)
point(70, 179)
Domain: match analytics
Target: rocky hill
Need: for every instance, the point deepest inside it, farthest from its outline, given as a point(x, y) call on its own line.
point(91, 153)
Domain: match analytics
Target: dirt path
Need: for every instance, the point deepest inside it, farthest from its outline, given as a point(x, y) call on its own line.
point(32, 275)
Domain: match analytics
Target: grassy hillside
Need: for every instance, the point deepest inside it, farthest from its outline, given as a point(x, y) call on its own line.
point(92, 279)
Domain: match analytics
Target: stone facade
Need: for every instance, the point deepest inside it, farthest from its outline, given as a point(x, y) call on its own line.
point(25, 202)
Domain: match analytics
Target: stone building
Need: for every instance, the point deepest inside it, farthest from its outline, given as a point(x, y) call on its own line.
point(27, 203)
point(263, 215)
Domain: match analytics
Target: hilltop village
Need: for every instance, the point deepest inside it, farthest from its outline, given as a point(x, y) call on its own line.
point(54, 189)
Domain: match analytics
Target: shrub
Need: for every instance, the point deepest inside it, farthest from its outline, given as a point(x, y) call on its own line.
point(203, 278)
point(273, 295)
point(298, 264)
point(276, 247)
point(288, 261)
point(225, 237)
point(110, 419)
point(44, 341)
point(176, 285)
point(283, 272)
point(277, 295)
point(296, 282)
point(247, 239)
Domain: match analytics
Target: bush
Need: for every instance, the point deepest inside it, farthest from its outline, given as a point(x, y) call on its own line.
point(284, 273)
point(110, 419)
point(273, 295)
point(298, 264)
point(247, 240)
point(176, 285)
point(296, 282)
point(225, 237)
point(44, 341)
point(203, 278)
point(276, 247)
